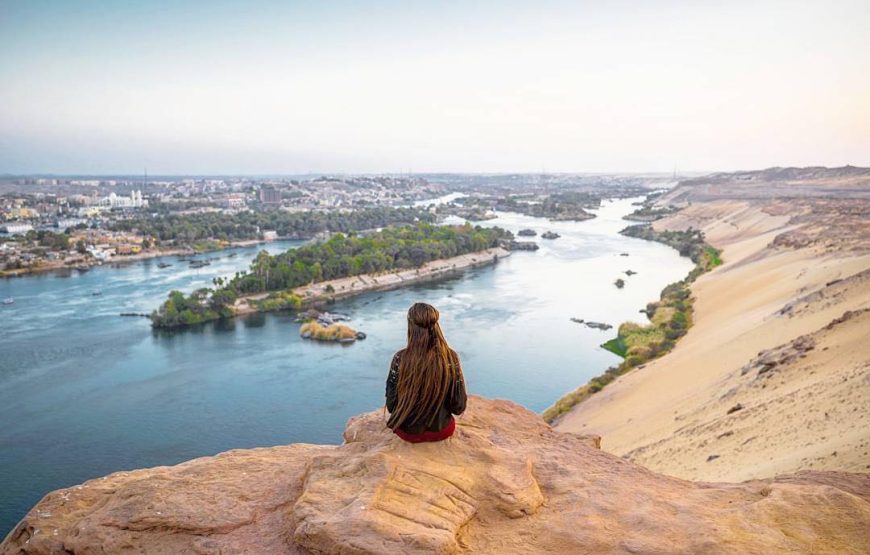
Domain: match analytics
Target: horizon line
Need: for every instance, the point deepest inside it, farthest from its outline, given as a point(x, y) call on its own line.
point(10, 175)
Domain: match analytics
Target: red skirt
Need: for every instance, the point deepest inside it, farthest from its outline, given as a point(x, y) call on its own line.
point(442, 434)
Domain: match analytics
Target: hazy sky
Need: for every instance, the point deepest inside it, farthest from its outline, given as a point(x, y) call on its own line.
point(378, 86)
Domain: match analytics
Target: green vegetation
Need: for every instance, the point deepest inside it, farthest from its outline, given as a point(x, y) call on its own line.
point(651, 213)
point(714, 257)
point(341, 256)
point(670, 317)
point(566, 403)
point(48, 239)
point(567, 205)
point(689, 242)
point(279, 300)
point(218, 226)
point(206, 246)
point(203, 305)
point(616, 346)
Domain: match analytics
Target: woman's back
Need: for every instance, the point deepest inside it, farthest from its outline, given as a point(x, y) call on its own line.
point(425, 385)
point(415, 423)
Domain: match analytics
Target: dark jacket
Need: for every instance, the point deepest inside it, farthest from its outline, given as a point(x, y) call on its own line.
point(454, 403)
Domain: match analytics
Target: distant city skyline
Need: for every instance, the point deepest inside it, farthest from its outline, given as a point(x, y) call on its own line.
point(295, 88)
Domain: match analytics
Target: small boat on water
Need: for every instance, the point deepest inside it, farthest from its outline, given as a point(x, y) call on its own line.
point(200, 263)
point(163, 265)
point(96, 293)
point(10, 300)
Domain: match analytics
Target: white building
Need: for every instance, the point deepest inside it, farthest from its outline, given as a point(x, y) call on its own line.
point(234, 201)
point(68, 222)
point(98, 253)
point(135, 200)
point(16, 229)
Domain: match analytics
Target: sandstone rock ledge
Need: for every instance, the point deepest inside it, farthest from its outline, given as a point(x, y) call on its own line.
point(505, 483)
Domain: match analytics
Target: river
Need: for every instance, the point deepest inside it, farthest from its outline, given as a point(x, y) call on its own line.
point(85, 392)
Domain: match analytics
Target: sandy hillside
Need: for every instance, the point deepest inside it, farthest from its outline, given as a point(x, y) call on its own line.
point(774, 376)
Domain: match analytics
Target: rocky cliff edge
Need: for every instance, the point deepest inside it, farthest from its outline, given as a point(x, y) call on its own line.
point(505, 483)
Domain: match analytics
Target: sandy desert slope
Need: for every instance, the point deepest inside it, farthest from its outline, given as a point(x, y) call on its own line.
point(774, 376)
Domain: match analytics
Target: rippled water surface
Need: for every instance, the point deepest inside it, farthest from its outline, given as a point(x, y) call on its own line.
point(85, 392)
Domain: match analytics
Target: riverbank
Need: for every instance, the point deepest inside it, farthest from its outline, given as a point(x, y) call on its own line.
point(342, 288)
point(669, 318)
point(772, 376)
point(89, 262)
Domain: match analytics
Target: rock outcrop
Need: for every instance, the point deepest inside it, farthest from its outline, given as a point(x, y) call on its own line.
point(505, 483)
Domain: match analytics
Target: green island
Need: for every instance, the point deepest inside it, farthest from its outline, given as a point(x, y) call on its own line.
point(670, 317)
point(650, 213)
point(388, 250)
point(565, 206)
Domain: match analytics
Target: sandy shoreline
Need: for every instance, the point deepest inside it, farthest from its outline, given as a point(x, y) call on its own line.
point(772, 377)
point(356, 285)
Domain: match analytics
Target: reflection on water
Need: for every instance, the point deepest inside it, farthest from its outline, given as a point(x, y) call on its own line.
point(85, 392)
point(254, 321)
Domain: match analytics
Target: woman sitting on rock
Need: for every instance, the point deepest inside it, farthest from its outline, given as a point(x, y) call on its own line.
point(425, 387)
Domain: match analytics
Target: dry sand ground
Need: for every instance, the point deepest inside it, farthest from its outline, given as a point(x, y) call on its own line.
point(792, 267)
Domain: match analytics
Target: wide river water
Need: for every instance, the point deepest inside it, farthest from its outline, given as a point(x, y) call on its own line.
point(85, 392)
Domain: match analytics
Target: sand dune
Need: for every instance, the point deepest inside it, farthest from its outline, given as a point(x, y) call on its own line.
point(737, 399)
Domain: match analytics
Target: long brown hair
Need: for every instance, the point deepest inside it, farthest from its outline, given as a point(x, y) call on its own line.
point(428, 369)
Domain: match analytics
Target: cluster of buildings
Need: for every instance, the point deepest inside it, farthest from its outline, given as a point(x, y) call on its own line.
point(55, 198)
point(348, 192)
point(61, 203)
point(22, 213)
point(85, 247)
point(321, 193)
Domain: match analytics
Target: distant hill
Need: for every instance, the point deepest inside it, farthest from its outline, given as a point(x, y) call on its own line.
point(777, 173)
point(776, 182)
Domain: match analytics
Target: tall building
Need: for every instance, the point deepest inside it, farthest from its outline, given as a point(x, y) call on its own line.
point(270, 195)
